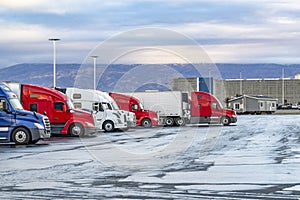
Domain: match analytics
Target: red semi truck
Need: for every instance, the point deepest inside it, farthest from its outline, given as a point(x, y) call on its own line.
point(206, 108)
point(64, 118)
point(145, 118)
point(179, 108)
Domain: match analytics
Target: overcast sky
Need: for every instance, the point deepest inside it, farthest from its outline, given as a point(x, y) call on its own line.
point(235, 31)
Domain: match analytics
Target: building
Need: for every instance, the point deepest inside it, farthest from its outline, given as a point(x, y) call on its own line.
point(194, 84)
point(285, 90)
point(246, 104)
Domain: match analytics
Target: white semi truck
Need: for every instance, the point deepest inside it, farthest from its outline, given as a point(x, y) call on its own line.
point(107, 119)
point(172, 106)
point(131, 117)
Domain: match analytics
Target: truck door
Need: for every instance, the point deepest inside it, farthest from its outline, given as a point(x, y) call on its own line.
point(5, 119)
point(217, 108)
point(60, 115)
point(100, 111)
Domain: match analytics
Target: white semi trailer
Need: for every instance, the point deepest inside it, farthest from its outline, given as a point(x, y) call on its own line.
point(172, 107)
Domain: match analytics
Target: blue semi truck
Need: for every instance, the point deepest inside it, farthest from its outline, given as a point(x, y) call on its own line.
point(18, 125)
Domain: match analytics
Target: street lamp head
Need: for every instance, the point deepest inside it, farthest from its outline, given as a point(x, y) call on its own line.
point(94, 56)
point(54, 39)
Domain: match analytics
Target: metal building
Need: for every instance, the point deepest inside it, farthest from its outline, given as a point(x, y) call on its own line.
point(285, 90)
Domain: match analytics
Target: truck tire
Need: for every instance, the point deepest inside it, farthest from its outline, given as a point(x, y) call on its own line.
point(169, 121)
point(21, 136)
point(108, 126)
point(146, 123)
point(225, 121)
point(76, 129)
point(179, 121)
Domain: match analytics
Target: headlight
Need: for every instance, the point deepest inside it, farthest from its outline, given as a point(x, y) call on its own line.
point(39, 126)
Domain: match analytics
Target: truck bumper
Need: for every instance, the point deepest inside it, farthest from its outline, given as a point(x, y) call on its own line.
point(131, 124)
point(90, 131)
point(121, 126)
point(233, 120)
point(35, 134)
point(44, 134)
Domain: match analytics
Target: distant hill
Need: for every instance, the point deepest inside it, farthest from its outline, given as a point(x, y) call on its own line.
point(42, 74)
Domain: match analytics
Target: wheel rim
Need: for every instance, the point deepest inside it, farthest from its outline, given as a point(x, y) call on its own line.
point(76, 130)
point(20, 136)
point(225, 120)
point(179, 122)
point(108, 126)
point(169, 121)
point(146, 123)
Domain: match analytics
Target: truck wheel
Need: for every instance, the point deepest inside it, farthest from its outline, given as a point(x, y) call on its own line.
point(108, 126)
point(225, 121)
point(179, 121)
point(169, 121)
point(76, 129)
point(146, 123)
point(21, 136)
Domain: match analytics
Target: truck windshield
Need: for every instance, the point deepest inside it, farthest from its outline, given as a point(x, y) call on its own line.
point(15, 103)
point(141, 106)
point(218, 102)
point(106, 106)
point(70, 104)
point(115, 105)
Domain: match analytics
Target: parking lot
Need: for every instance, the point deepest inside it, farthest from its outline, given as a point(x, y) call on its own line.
point(258, 158)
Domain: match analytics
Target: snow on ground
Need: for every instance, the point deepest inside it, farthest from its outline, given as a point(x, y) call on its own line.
point(258, 158)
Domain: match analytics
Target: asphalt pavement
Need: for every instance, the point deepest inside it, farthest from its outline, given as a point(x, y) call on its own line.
point(257, 158)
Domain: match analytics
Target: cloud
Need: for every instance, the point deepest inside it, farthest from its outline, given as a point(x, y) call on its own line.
point(234, 30)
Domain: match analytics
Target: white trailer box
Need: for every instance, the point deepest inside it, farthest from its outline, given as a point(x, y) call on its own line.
point(171, 106)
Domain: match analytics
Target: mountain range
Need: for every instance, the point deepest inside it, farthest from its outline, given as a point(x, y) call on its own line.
point(69, 75)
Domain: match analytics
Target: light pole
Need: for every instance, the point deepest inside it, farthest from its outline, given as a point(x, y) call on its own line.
point(282, 86)
point(95, 64)
point(54, 60)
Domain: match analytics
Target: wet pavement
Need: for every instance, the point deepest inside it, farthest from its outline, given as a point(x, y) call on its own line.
point(258, 158)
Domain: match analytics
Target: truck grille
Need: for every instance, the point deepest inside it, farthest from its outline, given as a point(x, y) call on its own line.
point(47, 124)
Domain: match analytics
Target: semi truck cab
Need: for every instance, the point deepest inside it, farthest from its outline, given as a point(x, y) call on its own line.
point(206, 108)
point(18, 125)
point(58, 107)
point(106, 118)
point(145, 118)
